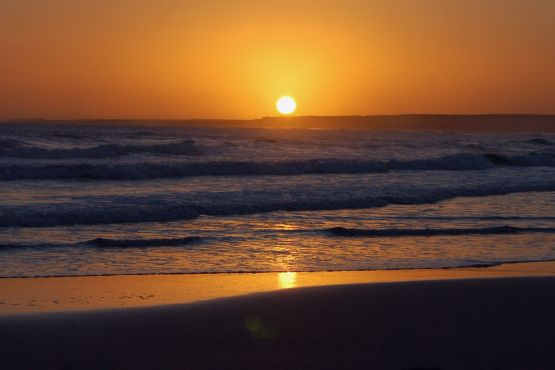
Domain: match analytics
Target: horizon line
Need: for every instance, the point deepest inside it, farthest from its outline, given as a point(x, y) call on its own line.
point(24, 119)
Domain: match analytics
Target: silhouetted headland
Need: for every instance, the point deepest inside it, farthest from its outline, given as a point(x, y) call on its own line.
point(443, 122)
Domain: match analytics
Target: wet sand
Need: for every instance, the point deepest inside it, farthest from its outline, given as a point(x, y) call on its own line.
point(452, 321)
point(39, 295)
point(501, 323)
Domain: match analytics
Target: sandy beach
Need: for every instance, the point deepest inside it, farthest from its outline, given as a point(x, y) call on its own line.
point(445, 323)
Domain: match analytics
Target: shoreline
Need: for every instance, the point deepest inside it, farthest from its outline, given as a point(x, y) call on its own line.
point(90, 293)
point(232, 272)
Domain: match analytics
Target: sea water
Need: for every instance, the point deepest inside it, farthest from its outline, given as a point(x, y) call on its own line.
point(85, 199)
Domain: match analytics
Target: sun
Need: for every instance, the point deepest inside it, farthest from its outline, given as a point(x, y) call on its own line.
point(286, 105)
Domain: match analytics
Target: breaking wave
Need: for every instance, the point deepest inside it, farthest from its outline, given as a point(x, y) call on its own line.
point(130, 243)
point(541, 141)
point(141, 171)
point(158, 210)
point(112, 243)
point(19, 149)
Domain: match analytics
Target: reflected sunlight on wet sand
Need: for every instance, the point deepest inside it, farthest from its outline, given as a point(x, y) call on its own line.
point(35, 295)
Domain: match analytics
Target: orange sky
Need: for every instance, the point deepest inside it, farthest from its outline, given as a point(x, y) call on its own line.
point(233, 59)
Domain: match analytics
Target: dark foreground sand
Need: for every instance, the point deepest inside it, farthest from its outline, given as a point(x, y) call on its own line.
point(506, 323)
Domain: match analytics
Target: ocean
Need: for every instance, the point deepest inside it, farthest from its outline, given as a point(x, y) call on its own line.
point(85, 199)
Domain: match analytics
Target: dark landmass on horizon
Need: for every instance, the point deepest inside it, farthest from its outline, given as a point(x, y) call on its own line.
point(443, 122)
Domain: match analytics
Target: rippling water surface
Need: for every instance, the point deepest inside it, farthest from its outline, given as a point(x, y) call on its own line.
point(81, 200)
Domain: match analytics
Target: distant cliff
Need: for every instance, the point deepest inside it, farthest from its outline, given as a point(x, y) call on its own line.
point(490, 122)
point(450, 122)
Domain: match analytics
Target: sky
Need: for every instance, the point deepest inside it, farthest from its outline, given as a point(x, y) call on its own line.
point(233, 59)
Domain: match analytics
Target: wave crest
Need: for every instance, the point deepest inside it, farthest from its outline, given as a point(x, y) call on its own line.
point(113, 243)
point(130, 243)
point(141, 171)
point(177, 210)
point(20, 149)
point(353, 232)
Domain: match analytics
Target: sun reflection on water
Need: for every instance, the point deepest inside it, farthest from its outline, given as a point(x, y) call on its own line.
point(287, 280)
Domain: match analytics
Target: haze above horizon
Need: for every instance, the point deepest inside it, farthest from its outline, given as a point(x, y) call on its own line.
point(219, 59)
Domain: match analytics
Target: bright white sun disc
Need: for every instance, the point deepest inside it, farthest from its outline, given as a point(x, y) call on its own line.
point(286, 105)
